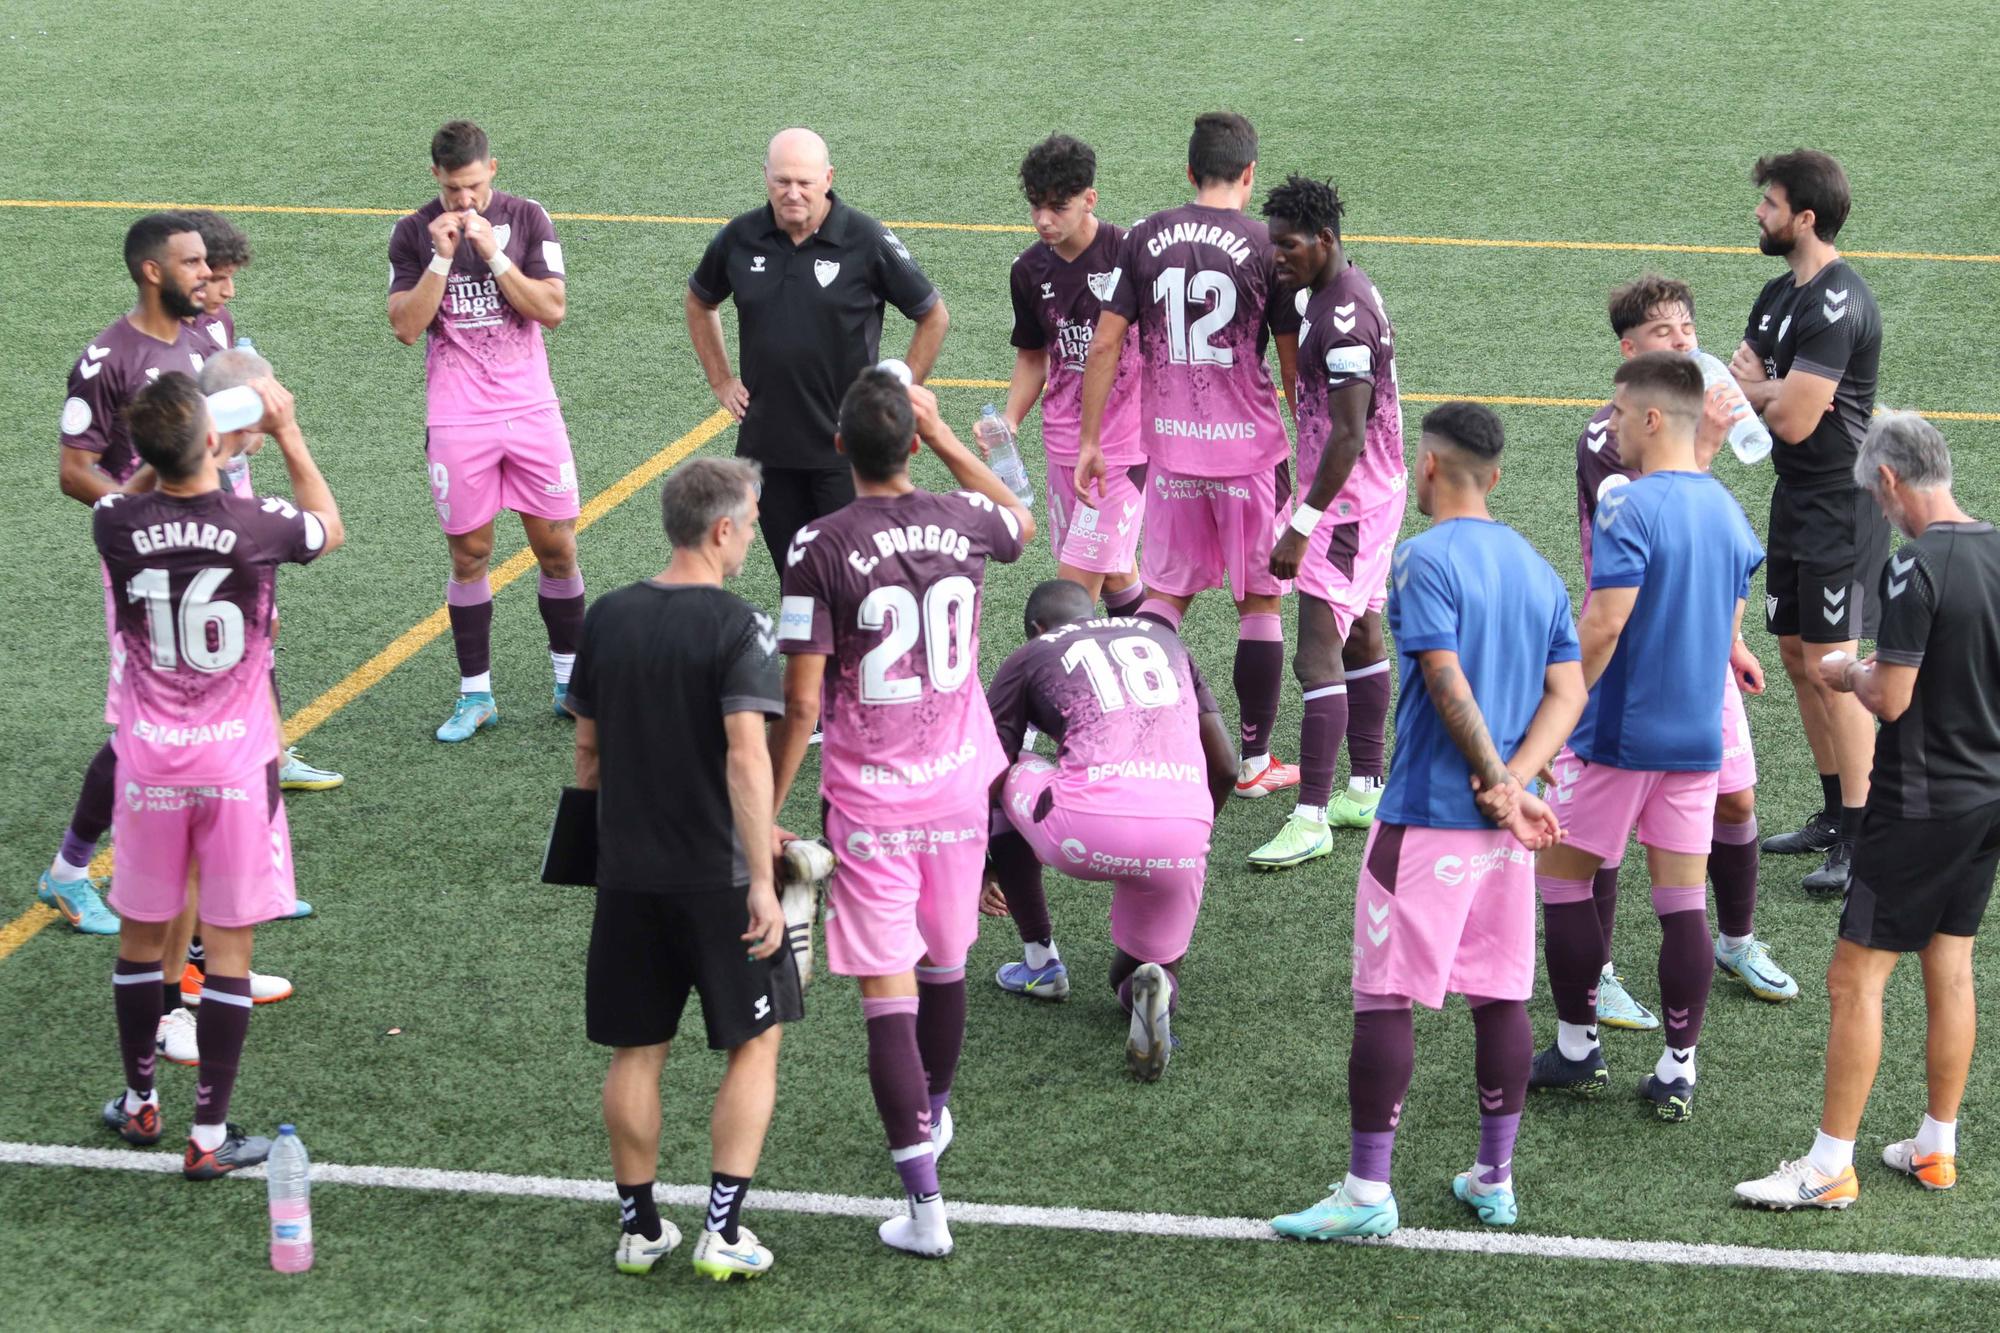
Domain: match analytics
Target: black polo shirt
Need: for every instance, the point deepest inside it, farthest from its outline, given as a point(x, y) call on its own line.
point(809, 319)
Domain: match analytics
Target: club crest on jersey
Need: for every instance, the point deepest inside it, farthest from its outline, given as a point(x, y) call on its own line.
point(1771, 606)
point(217, 332)
point(826, 270)
point(1102, 284)
point(502, 234)
point(1784, 326)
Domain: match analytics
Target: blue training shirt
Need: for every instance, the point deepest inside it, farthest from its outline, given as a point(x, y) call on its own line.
point(1681, 539)
point(1478, 588)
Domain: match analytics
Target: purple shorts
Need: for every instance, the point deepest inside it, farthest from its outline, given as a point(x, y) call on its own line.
point(522, 463)
point(1156, 867)
point(1346, 565)
point(1739, 761)
point(234, 831)
point(903, 893)
point(1600, 806)
point(1214, 532)
point(1440, 911)
point(1104, 540)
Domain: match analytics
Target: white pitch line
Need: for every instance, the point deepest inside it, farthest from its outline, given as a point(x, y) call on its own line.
point(1176, 1225)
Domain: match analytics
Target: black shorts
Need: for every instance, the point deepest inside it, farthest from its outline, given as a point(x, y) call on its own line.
point(1825, 552)
point(1915, 878)
point(648, 950)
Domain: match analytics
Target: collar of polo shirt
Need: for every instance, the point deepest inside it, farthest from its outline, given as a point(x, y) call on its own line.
point(833, 229)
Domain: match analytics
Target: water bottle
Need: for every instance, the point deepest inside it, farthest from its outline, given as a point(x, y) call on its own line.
point(1001, 454)
point(235, 409)
point(286, 1172)
point(1749, 438)
point(243, 343)
point(898, 367)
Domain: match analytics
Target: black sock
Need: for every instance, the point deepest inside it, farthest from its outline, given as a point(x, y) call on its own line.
point(1850, 824)
point(1829, 794)
point(171, 994)
point(637, 1211)
point(725, 1203)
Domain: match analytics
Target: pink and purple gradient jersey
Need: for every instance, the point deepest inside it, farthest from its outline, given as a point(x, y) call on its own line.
point(1345, 339)
point(1124, 701)
point(486, 361)
point(193, 581)
point(888, 589)
point(1201, 286)
point(113, 368)
point(1056, 304)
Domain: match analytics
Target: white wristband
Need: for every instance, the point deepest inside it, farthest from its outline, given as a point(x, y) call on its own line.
point(440, 265)
point(1304, 519)
point(500, 264)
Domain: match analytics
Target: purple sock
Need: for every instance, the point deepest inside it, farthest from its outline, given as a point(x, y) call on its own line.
point(1155, 609)
point(1380, 1064)
point(92, 815)
point(1604, 894)
point(1573, 944)
point(1260, 669)
point(1320, 730)
point(1123, 965)
point(220, 1026)
point(1020, 876)
point(902, 1092)
point(1687, 960)
point(1126, 600)
point(940, 1028)
point(1503, 1048)
point(1368, 690)
point(470, 606)
point(135, 995)
point(561, 601)
point(1732, 867)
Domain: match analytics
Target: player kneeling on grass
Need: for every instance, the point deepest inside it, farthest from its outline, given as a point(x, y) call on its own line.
point(1144, 766)
point(1446, 901)
point(197, 742)
point(1930, 836)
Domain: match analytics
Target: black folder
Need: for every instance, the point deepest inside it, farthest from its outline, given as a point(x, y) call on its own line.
point(572, 853)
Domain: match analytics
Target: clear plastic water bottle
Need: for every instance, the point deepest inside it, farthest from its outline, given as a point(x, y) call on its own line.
point(1749, 438)
point(287, 1173)
point(235, 409)
point(1001, 454)
point(243, 343)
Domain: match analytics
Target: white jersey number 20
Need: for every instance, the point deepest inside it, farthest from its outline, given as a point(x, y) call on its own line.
point(943, 624)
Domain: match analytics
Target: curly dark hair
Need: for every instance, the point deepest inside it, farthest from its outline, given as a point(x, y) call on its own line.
point(1057, 170)
point(1473, 427)
point(227, 246)
point(1641, 299)
point(1310, 206)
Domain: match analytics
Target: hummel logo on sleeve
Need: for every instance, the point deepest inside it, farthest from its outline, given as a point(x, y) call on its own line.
point(800, 539)
point(1597, 434)
point(1899, 574)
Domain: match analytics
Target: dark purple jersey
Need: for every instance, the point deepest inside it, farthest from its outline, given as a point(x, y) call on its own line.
point(1599, 471)
point(888, 589)
point(192, 579)
point(1056, 303)
point(1124, 700)
point(117, 364)
point(1201, 285)
point(1346, 339)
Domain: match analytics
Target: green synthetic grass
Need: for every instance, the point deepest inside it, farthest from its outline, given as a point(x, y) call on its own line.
point(1500, 121)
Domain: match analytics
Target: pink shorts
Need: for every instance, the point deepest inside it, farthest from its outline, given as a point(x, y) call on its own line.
point(235, 832)
point(116, 677)
point(1346, 565)
point(1156, 867)
point(1739, 761)
point(1599, 806)
point(1104, 540)
point(1214, 532)
point(903, 893)
point(522, 463)
point(1443, 910)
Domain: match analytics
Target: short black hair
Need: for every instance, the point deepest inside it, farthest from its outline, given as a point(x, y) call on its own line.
point(1674, 379)
point(147, 238)
point(877, 425)
point(1308, 205)
point(1222, 145)
point(169, 424)
point(1056, 603)
point(1473, 427)
point(1057, 170)
point(1635, 302)
point(227, 246)
point(1811, 180)
point(459, 143)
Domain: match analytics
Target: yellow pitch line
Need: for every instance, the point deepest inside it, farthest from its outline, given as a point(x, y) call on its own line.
point(1016, 228)
point(412, 640)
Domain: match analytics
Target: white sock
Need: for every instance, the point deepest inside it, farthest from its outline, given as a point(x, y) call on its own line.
point(1364, 784)
point(1830, 1156)
point(564, 663)
point(135, 1099)
point(928, 1214)
point(1608, 974)
point(1575, 1041)
point(1252, 767)
point(1731, 943)
point(1480, 1170)
point(1937, 1136)
point(1365, 1191)
point(62, 872)
point(479, 684)
point(1028, 738)
point(1039, 956)
point(1316, 813)
point(207, 1137)
point(1675, 1062)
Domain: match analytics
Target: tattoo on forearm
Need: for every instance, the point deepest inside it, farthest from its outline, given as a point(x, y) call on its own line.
point(1451, 694)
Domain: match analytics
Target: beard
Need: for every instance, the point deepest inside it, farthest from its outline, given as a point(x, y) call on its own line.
point(179, 302)
point(1776, 246)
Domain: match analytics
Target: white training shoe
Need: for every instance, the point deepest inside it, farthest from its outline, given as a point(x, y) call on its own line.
point(941, 1132)
point(1800, 1184)
point(1149, 1043)
point(807, 864)
point(637, 1255)
point(716, 1258)
point(174, 1039)
point(264, 988)
point(921, 1231)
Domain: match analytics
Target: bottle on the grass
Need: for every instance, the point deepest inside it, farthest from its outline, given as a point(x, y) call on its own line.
point(288, 1175)
point(1002, 455)
point(1749, 438)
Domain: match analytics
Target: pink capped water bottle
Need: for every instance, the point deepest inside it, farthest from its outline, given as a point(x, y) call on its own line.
point(286, 1173)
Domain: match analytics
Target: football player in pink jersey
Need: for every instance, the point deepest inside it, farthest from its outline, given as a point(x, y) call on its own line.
point(880, 624)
